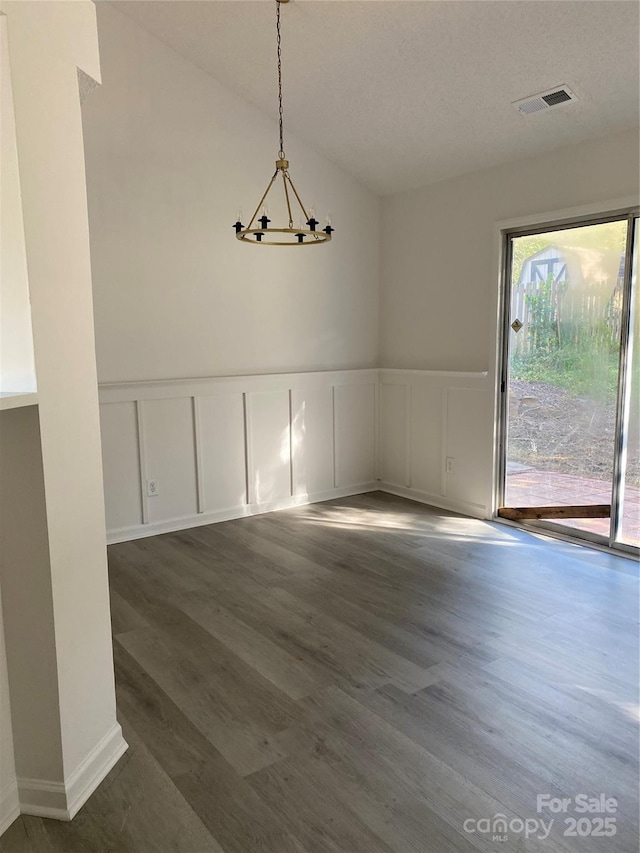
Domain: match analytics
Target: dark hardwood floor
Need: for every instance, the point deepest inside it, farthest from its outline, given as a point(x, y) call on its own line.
point(366, 675)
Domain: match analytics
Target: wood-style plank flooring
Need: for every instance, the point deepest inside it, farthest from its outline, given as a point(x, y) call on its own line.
point(362, 676)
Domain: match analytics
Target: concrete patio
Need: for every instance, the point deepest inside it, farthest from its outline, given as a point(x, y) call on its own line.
point(529, 487)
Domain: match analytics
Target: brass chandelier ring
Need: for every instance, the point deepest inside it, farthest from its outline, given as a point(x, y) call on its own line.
point(248, 236)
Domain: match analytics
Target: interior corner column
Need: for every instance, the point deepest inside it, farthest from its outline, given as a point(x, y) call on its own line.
point(55, 597)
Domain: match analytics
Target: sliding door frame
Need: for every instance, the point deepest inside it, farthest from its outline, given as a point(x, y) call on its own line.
point(624, 210)
point(623, 403)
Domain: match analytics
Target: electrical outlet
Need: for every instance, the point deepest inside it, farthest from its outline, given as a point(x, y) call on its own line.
point(450, 466)
point(152, 488)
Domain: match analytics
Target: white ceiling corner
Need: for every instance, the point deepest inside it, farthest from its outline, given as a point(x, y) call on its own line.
point(403, 93)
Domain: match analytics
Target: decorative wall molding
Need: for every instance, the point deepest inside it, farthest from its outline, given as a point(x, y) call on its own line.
point(63, 800)
point(227, 447)
point(426, 418)
point(429, 375)
point(152, 389)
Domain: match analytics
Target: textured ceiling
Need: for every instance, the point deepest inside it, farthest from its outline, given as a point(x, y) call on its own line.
point(402, 93)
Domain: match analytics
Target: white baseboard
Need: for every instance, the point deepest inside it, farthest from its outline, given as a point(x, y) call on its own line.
point(94, 768)
point(463, 507)
point(62, 800)
point(9, 805)
point(139, 531)
point(43, 798)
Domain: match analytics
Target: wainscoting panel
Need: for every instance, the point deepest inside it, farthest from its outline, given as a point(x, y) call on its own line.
point(395, 416)
point(468, 411)
point(436, 438)
point(427, 467)
point(269, 446)
point(312, 440)
point(355, 416)
point(225, 447)
point(220, 442)
point(169, 458)
point(121, 464)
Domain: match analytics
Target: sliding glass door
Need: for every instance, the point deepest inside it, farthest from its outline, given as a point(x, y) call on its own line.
point(570, 443)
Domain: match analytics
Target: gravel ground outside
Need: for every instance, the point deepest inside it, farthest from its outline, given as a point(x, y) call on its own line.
point(551, 430)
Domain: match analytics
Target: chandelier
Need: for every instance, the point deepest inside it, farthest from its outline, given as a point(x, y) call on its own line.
point(306, 231)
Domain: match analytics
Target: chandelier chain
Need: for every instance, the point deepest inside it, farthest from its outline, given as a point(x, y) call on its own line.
point(258, 231)
point(279, 40)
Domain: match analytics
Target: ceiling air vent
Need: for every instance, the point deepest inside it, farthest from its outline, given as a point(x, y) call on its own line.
point(545, 100)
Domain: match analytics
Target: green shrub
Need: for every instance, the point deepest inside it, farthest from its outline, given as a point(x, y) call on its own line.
point(585, 369)
point(580, 357)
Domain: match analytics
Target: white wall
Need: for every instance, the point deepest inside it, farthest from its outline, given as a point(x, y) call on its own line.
point(171, 155)
point(25, 576)
point(438, 281)
point(9, 807)
point(17, 370)
point(15, 351)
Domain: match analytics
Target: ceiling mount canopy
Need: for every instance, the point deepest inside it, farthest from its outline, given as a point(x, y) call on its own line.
point(306, 231)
